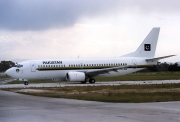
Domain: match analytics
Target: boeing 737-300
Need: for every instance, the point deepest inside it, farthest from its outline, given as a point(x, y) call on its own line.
point(87, 69)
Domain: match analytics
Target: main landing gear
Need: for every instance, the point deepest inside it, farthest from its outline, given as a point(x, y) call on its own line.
point(25, 83)
point(91, 80)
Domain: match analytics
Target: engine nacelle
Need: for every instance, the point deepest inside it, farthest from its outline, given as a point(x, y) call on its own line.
point(75, 76)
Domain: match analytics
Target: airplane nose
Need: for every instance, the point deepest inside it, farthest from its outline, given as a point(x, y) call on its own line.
point(13, 72)
point(7, 72)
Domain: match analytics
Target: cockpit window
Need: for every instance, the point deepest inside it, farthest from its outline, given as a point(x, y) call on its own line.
point(18, 65)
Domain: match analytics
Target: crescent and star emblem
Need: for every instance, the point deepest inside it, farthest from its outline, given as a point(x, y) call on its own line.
point(147, 47)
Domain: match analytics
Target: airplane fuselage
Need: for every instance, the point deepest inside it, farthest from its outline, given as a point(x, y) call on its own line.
point(58, 68)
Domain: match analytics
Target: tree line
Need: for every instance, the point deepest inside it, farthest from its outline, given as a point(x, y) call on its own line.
point(4, 65)
point(161, 67)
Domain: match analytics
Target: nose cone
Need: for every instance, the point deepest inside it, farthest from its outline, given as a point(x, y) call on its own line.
point(9, 72)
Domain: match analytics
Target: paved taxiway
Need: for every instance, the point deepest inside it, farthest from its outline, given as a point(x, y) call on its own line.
point(63, 84)
point(5, 80)
point(18, 108)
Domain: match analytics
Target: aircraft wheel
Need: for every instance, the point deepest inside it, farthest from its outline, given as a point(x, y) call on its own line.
point(25, 83)
point(92, 80)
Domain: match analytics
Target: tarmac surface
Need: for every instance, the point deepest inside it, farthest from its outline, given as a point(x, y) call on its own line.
point(5, 80)
point(16, 107)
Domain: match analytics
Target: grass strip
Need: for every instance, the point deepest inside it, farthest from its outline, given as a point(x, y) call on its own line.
point(123, 93)
point(4, 76)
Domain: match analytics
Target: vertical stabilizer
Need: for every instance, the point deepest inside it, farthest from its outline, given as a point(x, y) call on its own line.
point(148, 46)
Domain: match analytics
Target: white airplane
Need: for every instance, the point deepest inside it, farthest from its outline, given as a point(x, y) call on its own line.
point(86, 69)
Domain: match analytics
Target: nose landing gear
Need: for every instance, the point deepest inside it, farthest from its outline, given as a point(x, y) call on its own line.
point(25, 81)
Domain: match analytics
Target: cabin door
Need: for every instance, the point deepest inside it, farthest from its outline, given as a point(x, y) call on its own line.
point(33, 66)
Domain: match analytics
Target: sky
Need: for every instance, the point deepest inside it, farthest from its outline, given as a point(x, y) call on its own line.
point(36, 29)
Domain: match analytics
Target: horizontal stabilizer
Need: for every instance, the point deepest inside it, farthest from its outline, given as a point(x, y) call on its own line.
point(158, 58)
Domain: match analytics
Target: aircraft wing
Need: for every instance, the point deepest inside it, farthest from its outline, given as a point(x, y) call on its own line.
point(96, 72)
point(158, 58)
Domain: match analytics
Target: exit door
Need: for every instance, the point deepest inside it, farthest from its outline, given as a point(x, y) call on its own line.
point(33, 66)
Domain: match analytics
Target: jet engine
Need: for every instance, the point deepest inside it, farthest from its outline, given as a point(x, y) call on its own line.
point(75, 76)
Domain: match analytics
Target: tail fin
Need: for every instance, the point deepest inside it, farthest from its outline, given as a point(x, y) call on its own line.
point(148, 46)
